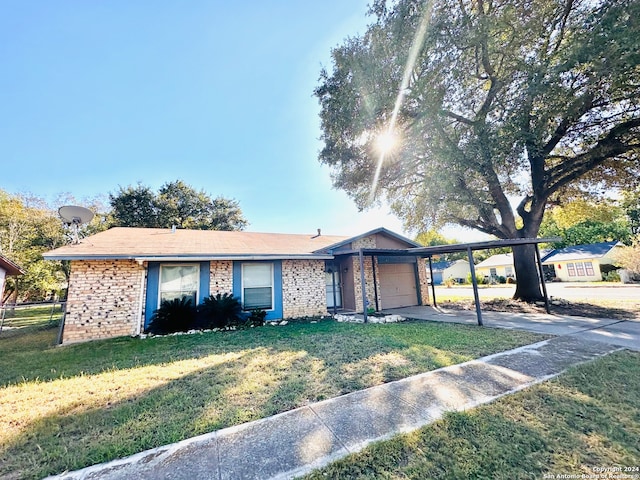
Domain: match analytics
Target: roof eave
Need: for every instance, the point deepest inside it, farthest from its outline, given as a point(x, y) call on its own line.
point(191, 258)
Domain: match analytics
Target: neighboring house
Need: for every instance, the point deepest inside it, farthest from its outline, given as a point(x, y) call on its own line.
point(457, 270)
point(120, 276)
point(497, 266)
point(580, 263)
point(7, 267)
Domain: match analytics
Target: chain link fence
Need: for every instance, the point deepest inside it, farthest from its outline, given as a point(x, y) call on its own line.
point(17, 319)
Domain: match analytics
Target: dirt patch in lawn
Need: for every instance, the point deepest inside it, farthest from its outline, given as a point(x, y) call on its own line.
point(618, 310)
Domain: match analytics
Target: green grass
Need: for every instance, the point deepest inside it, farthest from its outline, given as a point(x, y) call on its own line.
point(587, 418)
point(37, 317)
point(69, 407)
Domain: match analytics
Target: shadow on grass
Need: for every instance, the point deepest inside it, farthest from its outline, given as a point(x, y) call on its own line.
point(564, 427)
point(338, 343)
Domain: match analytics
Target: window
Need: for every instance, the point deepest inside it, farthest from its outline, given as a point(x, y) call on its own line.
point(179, 281)
point(508, 271)
point(257, 286)
point(571, 270)
point(589, 268)
point(493, 272)
point(580, 269)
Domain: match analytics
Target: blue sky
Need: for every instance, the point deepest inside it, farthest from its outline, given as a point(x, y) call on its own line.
point(97, 95)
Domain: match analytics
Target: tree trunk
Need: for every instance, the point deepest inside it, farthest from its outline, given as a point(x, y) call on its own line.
point(527, 277)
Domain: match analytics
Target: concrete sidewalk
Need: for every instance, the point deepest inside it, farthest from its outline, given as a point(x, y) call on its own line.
point(295, 442)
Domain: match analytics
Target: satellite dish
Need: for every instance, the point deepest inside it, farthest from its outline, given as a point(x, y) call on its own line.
point(74, 217)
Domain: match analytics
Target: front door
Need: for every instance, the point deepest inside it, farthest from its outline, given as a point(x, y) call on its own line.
point(329, 282)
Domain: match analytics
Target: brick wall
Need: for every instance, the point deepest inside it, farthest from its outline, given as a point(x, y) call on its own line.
point(103, 300)
point(424, 281)
point(366, 242)
point(303, 288)
point(221, 277)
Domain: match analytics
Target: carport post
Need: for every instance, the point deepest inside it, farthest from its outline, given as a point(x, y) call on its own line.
point(542, 282)
point(433, 286)
point(474, 281)
point(364, 287)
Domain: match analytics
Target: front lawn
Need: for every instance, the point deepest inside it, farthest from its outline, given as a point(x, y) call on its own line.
point(571, 427)
point(73, 406)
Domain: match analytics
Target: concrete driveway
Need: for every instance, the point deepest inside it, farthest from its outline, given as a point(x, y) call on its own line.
point(624, 333)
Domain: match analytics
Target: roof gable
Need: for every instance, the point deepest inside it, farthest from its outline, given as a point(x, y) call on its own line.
point(378, 231)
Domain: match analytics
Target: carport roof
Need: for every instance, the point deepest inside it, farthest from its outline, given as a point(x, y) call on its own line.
point(456, 247)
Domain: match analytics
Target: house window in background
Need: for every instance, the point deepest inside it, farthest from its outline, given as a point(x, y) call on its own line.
point(257, 286)
point(179, 281)
point(571, 270)
point(589, 268)
point(580, 269)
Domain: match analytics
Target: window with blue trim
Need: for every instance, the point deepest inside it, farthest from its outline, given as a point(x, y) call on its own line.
point(179, 281)
point(257, 286)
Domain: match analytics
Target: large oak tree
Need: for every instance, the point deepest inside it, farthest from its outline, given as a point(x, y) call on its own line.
point(507, 105)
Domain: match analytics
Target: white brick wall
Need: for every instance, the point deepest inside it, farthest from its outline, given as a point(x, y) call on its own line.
point(303, 288)
point(103, 300)
point(221, 277)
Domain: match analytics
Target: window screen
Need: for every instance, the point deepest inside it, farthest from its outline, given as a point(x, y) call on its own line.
point(179, 281)
point(257, 286)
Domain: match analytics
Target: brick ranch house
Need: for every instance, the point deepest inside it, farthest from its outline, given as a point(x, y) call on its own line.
point(120, 276)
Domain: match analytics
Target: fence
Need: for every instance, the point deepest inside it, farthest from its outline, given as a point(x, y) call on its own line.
point(22, 318)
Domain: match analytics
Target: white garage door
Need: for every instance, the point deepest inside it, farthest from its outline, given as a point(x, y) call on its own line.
point(397, 285)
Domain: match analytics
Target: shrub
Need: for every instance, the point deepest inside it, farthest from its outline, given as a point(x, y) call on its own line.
point(449, 282)
point(612, 276)
point(177, 315)
point(511, 280)
point(480, 279)
point(221, 310)
point(257, 316)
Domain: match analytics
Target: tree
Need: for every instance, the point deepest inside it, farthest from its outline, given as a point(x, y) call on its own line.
point(631, 206)
point(176, 203)
point(430, 238)
point(27, 229)
point(488, 110)
point(581, 222)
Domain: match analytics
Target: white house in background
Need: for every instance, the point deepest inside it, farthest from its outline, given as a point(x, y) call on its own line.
point(454, 269)
point(500, 265)
point(7, 267)
point(581, 263)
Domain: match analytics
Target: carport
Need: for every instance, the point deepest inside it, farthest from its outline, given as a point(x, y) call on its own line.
point(429, 252)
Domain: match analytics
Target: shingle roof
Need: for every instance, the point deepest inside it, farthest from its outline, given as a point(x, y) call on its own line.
point(580, 252)
point(497, 260)
point(146, 243)
point(441, 266)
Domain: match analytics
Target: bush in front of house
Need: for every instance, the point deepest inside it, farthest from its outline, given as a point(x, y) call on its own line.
point(220, 311)
point(257, 316)
point(177, 315)
point(480, 279)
